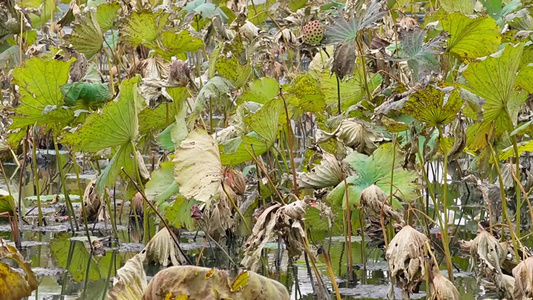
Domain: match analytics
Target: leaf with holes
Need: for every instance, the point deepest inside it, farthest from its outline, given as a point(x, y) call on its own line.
point(142, 27)
point(86, 36)
point(40, 84)
point(434, 106)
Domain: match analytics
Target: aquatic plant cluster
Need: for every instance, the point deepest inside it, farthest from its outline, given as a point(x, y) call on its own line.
point(322, 135)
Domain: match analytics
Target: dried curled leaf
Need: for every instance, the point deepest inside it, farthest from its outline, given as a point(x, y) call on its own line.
point(93, 204)
point(162, 249)
point(443, 289)
point(328, 173)
point(193, 282)
point(375, 199)
point(353, 134)
point(13, 285)
point(130, 282)
point(523, 275)
point(405, 257)
point(285, 221)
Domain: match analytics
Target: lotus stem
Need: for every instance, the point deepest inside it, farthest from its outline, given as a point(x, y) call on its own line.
point(81, 193)
point(68, 202)
point(444, 229)
point(36, 178)
point(516, 186)
point(322, 251)
point(348, 229)
point(289, 141)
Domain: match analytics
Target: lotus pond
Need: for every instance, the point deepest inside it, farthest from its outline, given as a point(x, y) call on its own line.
point(296, 149)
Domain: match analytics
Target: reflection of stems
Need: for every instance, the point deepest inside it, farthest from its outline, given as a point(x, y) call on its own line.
point(236, 208)
point(158, 214)
point(216, 243)
point(289, 141)
point(145, 207)
point(113, 257)
point(36, 177)
point(260, 165)
point(83, 212)
point(444, 228)
point(68, 202)
point(436, 206)
point(322, 251)
point(505, 214)
point(17, 236)
point(348, 228)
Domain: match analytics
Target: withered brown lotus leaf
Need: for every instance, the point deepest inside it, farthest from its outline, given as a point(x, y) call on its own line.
point(443, 288)
point(523, 275)
point(405, 258)
point(327, 173)
point(163, 250)
point(13, 285)
point(374, 198)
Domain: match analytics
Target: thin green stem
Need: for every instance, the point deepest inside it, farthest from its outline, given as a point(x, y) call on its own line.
point(36, 177)
point(81, 193)
point(516, 186)
point(68, 202)
point(444, 229)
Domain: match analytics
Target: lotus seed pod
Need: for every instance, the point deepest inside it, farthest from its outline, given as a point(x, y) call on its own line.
point(313, 33)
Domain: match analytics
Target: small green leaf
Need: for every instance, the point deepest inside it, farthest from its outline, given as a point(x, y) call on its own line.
point(308, 93)
point(463, 6)
point(265, 121)
point(260, 91)
point(174, 44)
point(106, 14)
point(90, 93)
point(142, 27)
point(86, 35)
point(232, 69)
point(179, 214)
point(434, 106)
point(237, 150)
point(162, 185)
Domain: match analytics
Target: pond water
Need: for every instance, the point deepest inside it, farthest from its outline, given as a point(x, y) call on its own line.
point(68, 270)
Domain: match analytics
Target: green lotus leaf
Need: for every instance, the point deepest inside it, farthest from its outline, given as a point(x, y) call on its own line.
point(471, 37)
point(86, 36)
point(142, 27)
point(260, 91)
point(40, 84)
point(106, 14)
point(375, 169)
point(265, 121)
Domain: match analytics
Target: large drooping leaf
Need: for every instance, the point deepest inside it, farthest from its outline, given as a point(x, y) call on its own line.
point(375, 169)
point(162, 185)
point(130, 282)
point(471, 37)
point(173, 43)
point(197, 167)
point(86, 36)
point(106, 14)
point(307, 93)
point(327, 173)
point(420, 56)
point(343, 30)
point(117, 125)
point(344, 59)
point(265, 121)
point(205, 283)
point(88, 92)
point(434, 106)
point(142, 27)
point(260, 91)
point(163, 250)
point(463, 6)
point(494, 79)
point(14, 286)
point(40, 84)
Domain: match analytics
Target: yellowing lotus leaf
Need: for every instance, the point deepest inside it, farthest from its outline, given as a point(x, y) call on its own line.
point(197, 167)
point(14, 286)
